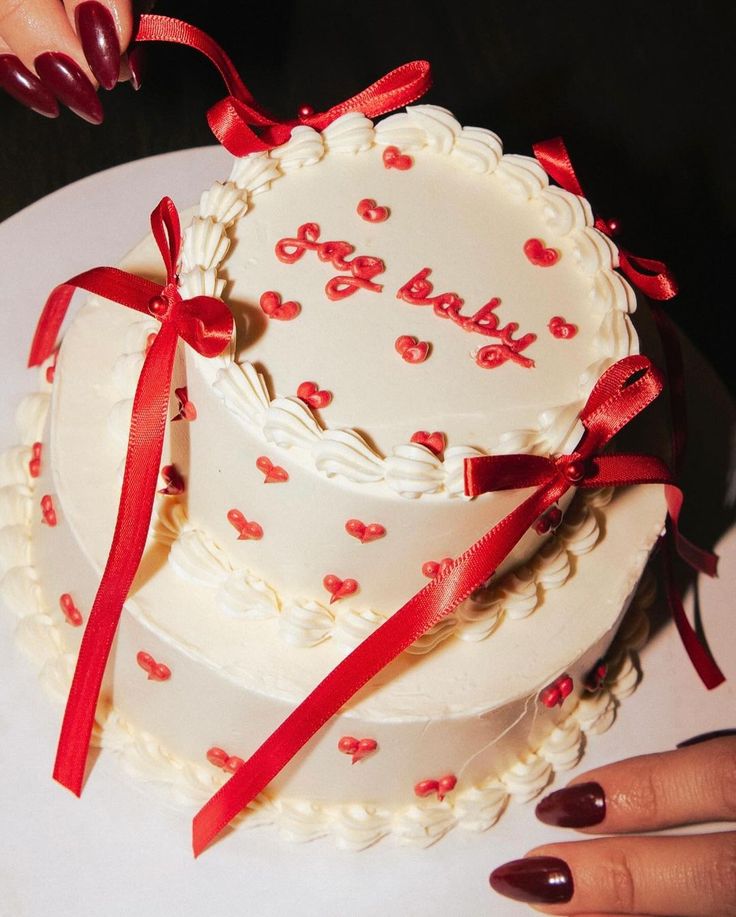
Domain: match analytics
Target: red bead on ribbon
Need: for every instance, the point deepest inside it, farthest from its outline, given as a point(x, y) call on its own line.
point(652, 277)
point(206, 325)
point(242, 126)
point(620, 394)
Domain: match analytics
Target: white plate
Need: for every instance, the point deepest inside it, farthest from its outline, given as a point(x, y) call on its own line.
point(119, 850)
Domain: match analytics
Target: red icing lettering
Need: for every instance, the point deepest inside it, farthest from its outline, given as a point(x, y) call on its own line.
point(339, 588)
point(70, 611)
point(247, 531)
point(539, 255)
point(273, 474)
point(156, 671)
point(364, 533)
point(310, 393)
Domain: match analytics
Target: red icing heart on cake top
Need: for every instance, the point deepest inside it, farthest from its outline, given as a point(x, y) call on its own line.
point(274, 474)
point(411, 349)
point(559, 328)
point(34, 463)
point(393, 158)
point(271, 304)
point(371, 212)
point(247, 531)
point(70, 611)
point(339, 588)
point(364, 533)
point(441, 787)
point(539, 254)
point(48, 512)
point(156, 671)
point(187, 410)
point(435, 442)
point(357, 748)
point(432, 567)
point(173, 480)
point(310, 393)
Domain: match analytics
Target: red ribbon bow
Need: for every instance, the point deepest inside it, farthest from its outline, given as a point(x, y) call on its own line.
point(206, 325)
point(242, 126)
point(655, 280)
point(620, 394)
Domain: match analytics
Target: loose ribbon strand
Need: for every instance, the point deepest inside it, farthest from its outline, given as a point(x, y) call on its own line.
point(206, 324)
point(242, 126)
point(621, 393)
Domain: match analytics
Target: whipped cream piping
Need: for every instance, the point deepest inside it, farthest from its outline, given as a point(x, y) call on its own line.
point(197, 558)
point(406, 471)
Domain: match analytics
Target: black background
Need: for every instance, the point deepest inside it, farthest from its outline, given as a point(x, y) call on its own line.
point(642, 93)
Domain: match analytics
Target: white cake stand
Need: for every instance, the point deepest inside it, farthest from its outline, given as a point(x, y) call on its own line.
point(119, 850)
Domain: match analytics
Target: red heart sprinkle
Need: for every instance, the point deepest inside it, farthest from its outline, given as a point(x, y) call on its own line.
point(51, 369)
point(173, 480)
point(274, 474)
point(34, 464)
point(48, 512)
point(246, 530)
point(70, 610)
point(364, 533)
point(550, 696)
point(446, 785)
point(411, 349)
point(187, 410)
point(539, 255)
point(339, 588)
point(393, 158)
point(435, 442)
point(217, 756)
point(370, 211)
point(348, 745)
point(156, 671)
point(233, 763)
point(559, 328)
point(426, 787)
point(565, 684)
point(432, 567)
point(357, 748)
point(309, 393)
point(273, 307)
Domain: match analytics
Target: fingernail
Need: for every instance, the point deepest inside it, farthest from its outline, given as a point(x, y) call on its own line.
point(577, 806)
point(99, 38)
point(136, 65)
point(706, 737)
point(25, 87)
point(534, 880)
point(64, 77)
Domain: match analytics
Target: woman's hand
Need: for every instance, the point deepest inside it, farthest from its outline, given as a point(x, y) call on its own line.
point(53, 52)
point(686, 876)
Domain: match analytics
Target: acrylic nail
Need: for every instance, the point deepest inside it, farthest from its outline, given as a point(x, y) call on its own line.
point(534, 880)
point(577, 806)
point(65, 78)
point(25, 87)
point(706, 737)
point(99, 38)
point(136, 66)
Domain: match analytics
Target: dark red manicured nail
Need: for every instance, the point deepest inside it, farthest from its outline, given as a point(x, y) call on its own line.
point(64, 77)
point(707, 737)
point(99, 38)
point(136, 65)
point(25, 87)
point(578, 806)
point(534, 880)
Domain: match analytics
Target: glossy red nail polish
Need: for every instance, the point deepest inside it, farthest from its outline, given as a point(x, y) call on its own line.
point(99, 38)
point(136, 65)
point(64, 77)
point(534, 880)
point(578, 806)
point(25, 87)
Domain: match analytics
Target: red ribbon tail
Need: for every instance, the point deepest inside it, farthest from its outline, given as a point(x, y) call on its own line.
point(656, 280)
point(49, 323)
point(142, 463)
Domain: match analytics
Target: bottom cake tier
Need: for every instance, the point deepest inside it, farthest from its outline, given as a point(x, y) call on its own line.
point(480, 712)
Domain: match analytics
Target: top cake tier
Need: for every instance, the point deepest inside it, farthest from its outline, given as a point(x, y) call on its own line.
point(424, 280)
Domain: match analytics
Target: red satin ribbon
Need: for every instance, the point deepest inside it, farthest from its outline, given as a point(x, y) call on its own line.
point(206, 325)
point(242, 126)
point(652, 277)
point(619, 395)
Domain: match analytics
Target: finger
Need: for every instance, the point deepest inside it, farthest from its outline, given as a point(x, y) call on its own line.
point(24, 86)
point(104, 29)
point(691, 876)
point(41, 36)
point(685, 786)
